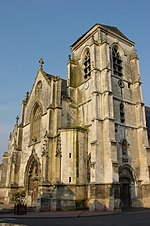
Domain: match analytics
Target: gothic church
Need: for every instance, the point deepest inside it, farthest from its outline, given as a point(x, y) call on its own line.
point(82, 142)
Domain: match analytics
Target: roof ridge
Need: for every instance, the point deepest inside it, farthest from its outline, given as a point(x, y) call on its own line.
point(105, 27)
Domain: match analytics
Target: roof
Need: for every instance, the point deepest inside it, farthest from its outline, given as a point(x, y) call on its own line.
point(63, 83)
point(49, 76)
point(147, 112)
point(115, 30)
point(106, 28)
point(64, 88)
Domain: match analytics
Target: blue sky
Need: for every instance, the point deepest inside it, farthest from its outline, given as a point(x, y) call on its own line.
point(30, 29)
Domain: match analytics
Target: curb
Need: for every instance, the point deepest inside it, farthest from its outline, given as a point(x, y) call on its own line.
point(80, 215)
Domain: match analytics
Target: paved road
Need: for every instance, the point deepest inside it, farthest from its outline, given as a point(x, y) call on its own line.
point(120, 219)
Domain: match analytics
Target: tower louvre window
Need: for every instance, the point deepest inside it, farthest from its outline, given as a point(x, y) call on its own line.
point(87, 64)
point(117, 62)
point(122, 116)
point(124, 147)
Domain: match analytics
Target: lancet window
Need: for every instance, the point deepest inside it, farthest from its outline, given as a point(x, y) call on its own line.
point(87, 64)
point(117, 62)
point(122, 114)
point(36, 123)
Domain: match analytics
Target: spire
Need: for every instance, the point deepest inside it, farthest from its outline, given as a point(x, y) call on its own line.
point(41, 62)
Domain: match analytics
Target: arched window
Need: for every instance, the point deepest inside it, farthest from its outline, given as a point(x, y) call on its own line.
point(87, 64)
point(117, 62)
point(36, 123)
point(89, 168)
point(124, 147)
point(122, 116)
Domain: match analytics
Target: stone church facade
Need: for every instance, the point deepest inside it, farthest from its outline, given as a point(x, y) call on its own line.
point(82, 142)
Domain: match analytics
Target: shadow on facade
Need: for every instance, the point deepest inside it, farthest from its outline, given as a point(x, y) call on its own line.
point(62, 197)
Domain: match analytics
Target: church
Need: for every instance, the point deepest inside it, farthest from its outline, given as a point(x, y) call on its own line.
point(82, 143)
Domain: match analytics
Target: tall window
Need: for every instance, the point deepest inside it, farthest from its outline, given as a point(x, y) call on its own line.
point(36, 123)
point(87, 64)
point(149, 171)
point(122, 115)
point(125, 157)
point(117, 62)
point(124, 147)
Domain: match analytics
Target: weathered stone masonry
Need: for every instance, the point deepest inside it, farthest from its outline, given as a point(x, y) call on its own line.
point(82, 142)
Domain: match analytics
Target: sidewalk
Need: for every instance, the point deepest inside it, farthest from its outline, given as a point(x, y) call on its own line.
point(69, 214)
point(58, 214)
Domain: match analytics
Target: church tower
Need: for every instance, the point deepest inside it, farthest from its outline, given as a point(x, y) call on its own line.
point(82, 142)
point(104, 83)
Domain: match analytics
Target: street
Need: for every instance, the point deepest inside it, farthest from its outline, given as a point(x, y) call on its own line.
point(121, 219)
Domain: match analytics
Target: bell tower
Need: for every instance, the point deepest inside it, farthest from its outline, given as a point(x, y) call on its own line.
point(105, 87)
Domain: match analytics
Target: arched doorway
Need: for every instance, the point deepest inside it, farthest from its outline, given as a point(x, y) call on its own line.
point(125, 193)
point(32, 178)
point(126, 179)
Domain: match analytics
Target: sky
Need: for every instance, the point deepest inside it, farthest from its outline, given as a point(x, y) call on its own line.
point(30, 29)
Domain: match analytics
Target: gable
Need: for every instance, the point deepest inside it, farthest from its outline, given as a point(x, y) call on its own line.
point(41, 92)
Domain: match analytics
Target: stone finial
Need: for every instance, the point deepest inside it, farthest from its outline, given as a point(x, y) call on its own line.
point(134, 55)
point(41, 62)
point(17, 119)
point(69, 57)
point(10, 136)
point(105, 38)
point(27, 95)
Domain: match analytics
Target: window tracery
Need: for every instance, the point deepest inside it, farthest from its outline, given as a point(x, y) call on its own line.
point(87, 64)
point(124, 148)
point(122, 114)
point(117, 62)
point(36, 123)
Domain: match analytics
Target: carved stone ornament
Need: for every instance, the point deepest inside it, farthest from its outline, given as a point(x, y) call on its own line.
point(92, 164)
point(38, 88)
point(58, 150)
point(125, 159)
point(86, 85)
point(14, 157)
point(121, 83)
point(58, 153)
point(27, 96)
point(45, 145)
point(41, 62)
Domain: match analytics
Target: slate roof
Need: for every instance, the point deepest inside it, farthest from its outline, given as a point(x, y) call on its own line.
point(49, 76)
point(64, 87)
point(63, 83)
point(147, 112)
point(107, 28)
point(115, 30)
